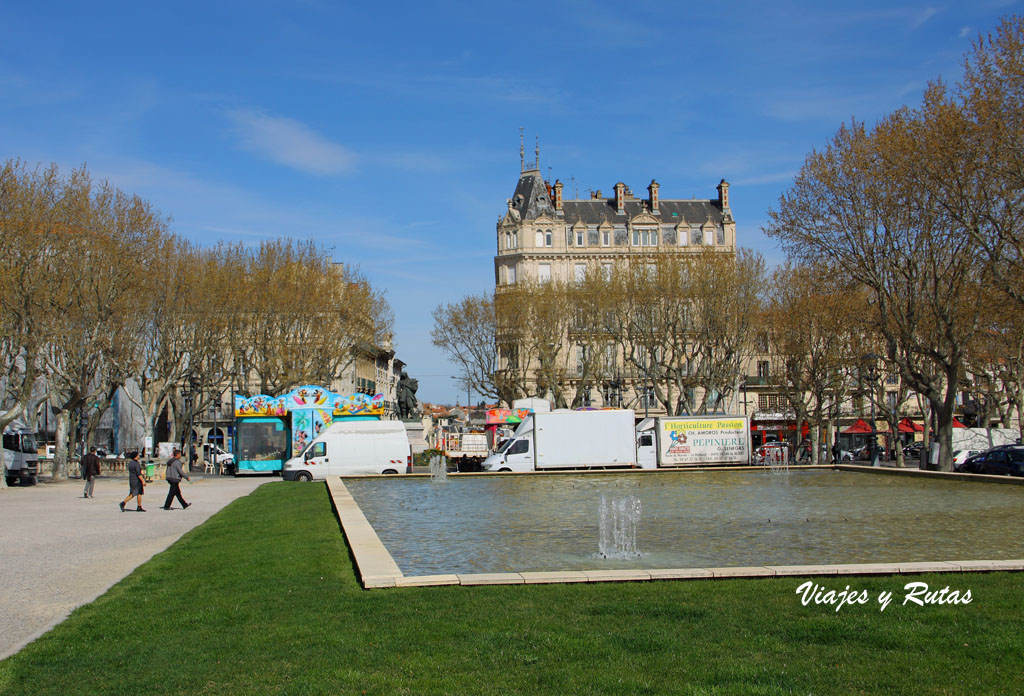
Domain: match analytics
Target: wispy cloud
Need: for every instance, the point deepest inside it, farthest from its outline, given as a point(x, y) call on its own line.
point(923, 16)
point(290, 142)
point(965, 32)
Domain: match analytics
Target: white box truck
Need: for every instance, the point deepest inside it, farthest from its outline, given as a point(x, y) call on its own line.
point(20, 457)
point(693, 440)
point(564, 439)
point(968, 441)
point(353, 448)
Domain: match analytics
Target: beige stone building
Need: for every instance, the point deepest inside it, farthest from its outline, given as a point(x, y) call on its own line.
point(544, 236)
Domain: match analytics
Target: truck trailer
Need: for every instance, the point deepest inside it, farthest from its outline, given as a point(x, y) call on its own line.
point(673, 441)
point(564, 439)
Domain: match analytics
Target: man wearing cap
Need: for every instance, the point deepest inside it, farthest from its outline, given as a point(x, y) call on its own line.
point(174, 475)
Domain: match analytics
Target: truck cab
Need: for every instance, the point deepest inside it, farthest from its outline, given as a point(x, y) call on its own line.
point(20, 457)
point(515, 454)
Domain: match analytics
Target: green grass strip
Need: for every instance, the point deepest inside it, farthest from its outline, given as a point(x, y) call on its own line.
point(262, 599)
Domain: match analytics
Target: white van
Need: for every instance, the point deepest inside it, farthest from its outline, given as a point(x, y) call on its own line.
point(353, 448)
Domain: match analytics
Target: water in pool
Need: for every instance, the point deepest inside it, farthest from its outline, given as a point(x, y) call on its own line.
point(689, 519)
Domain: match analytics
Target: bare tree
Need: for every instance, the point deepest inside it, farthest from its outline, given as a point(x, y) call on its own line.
point(855, 207)
point(811, 322)
point(467, 332)
point(105, 253)
point(301, 315)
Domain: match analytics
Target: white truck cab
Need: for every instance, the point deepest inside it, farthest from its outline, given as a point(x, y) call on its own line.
point(20, 458)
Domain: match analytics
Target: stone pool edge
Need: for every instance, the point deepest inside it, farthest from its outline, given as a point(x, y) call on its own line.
point(377, 569)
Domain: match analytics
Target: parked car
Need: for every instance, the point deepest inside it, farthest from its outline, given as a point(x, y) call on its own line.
point(1006, 460)
point(913, 450)
point(961, 456)
point(969, 465)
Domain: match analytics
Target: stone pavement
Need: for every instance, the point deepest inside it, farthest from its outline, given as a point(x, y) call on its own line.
point(59, 551)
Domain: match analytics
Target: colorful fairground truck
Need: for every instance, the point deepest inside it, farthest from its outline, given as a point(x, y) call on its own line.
point(269, 430)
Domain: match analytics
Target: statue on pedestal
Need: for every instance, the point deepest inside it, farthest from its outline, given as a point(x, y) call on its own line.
point(405, 395)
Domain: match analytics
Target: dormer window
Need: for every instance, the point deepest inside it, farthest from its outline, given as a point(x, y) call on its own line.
point(580, 237)
point(547, 238)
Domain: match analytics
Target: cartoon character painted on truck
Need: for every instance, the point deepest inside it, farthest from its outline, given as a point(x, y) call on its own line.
point(270, 430)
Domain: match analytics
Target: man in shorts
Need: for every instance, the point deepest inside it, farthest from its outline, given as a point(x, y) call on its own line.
point(136, 484)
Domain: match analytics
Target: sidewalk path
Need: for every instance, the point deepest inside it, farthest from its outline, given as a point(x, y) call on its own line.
point(59, 551)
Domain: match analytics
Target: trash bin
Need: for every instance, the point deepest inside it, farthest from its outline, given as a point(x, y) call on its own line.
point(150, 471)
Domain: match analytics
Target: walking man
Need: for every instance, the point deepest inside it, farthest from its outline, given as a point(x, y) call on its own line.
point(90, 470)
point(173, 475)
point(136, 484)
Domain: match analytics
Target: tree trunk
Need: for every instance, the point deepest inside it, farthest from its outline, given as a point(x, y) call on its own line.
point(59, 469)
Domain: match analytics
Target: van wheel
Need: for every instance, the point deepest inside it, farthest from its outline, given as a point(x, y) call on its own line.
point(11, 480)
point(505, 469)
point(389, 471)
point(304, 476)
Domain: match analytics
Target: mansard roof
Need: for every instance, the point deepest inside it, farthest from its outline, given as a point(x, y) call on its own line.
point(532, 200)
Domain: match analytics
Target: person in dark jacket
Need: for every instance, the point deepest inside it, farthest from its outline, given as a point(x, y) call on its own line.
point(174, 475)
point(136, 484)
point(90, 470)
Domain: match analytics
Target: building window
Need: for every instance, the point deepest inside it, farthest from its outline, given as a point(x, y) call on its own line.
point(606, 238)
point(515, 240)
point(511, 275)
point(647, 399)
point(547, 238)
point(645, 237)
point(696, 237)
point(606, 271)
point(544, 272)
point(762, 368)
point(720, 234)
point(580, 237)
point(540, 238)
point(581, 272)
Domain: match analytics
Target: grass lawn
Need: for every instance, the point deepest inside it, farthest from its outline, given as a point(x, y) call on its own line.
point(263, 599)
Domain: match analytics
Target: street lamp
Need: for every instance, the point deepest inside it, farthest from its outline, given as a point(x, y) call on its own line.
point(188, 390)
point(871, 361)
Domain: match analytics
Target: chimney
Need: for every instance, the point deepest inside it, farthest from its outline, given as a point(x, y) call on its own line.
point(558, 195)
point(620, 197)
point(723, 194)
point(595, 195)
point(653, 190)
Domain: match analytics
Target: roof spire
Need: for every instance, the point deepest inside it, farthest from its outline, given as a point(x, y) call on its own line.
point(522, 152)
point(537, 152)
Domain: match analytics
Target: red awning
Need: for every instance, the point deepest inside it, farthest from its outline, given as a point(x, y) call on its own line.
point(958, 424)
point(908, 426)
point(859, 427)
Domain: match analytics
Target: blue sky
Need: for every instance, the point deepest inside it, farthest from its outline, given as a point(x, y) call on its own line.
point(389, 132)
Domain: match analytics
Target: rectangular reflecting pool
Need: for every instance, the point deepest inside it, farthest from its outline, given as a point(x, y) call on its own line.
point(692, 519)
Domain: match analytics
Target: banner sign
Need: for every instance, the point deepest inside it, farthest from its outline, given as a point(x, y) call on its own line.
point(703, 440)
